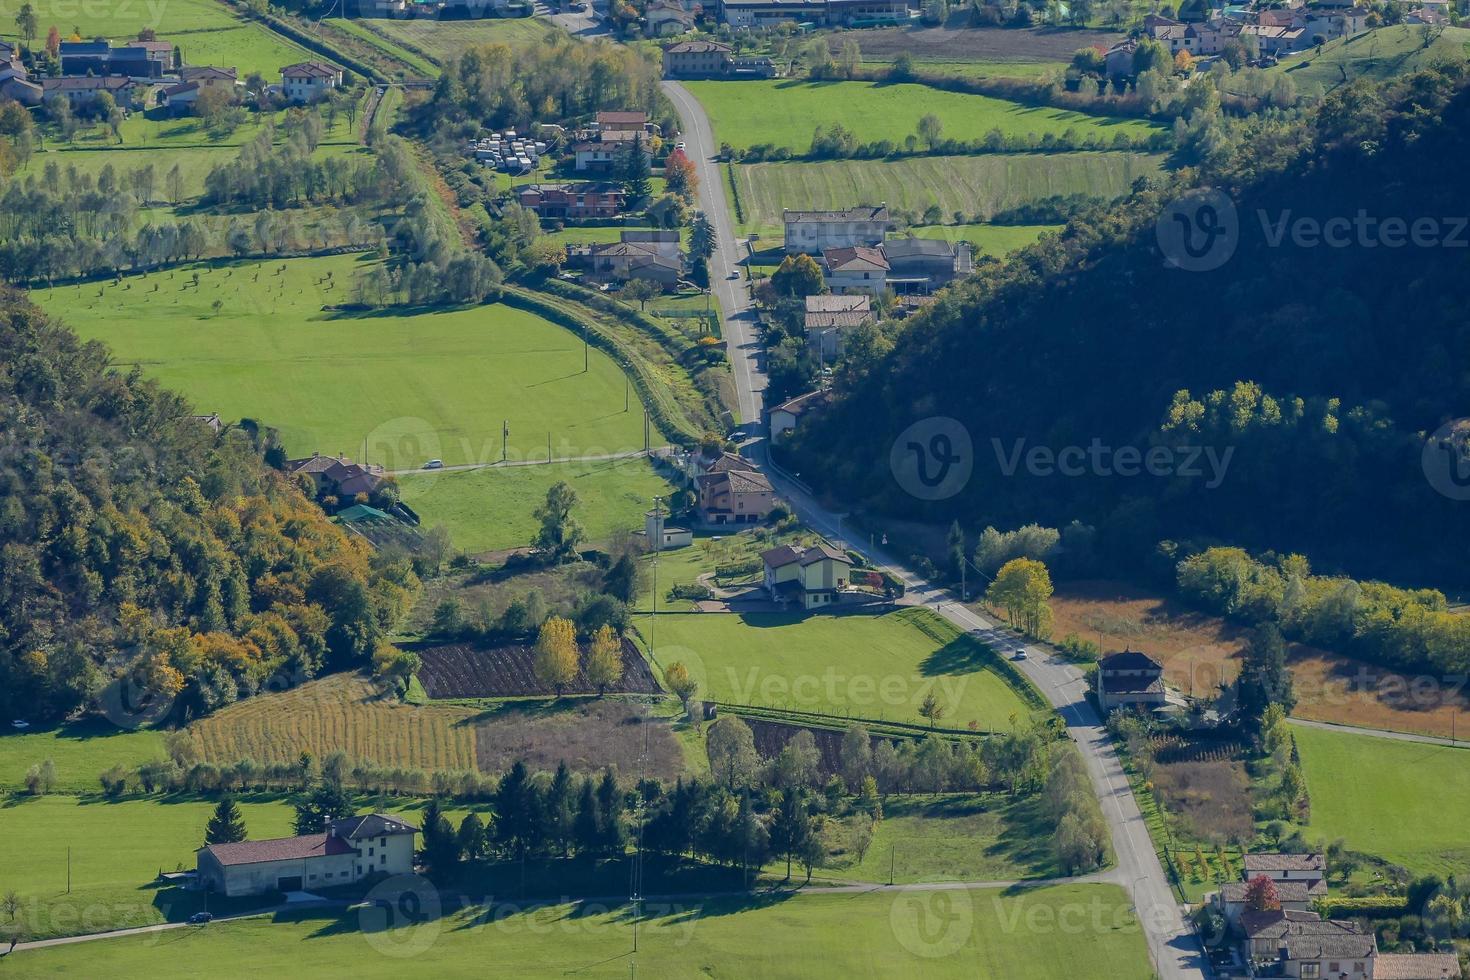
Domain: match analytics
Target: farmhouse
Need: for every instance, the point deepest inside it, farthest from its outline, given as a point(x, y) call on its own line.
point(337, 475)
point(585, 200)
point(350, 850)
point(1308, 868)
point(309, 81)
point(829, 317)
point(1129, 679)
point(606, 149)
point(137, 59)
point(15, 85)
point(209, 77)
point(854, 269)
point(665, 18)
point(735, 496)
point(624, 260)
point(812, 577)
point(84, 90)
point(813, 232)
point(1295, 896)
point(711, 59)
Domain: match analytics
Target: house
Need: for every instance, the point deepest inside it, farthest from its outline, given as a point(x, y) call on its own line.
point(15, 85)
point(770, 13)
point(735, 496)
point(9, 54)
point(83, 90)
point(1282, 943)
point(867, 13)
point(665, 18)
point(607, 149)
point(786, 416)
point(584, 200)
point(663, 241)
point(621, 121)
point(829, 317)
point(180, 99)
point(662, 536)
point(349, 850)
point(711, 59)
point(813, 232)
point(209, 77)
point(812, 577)
point(1129, 679)
point(922, 265)
point(137, 59)
point(161, 53)
point(85, 57)
point(337, 476)
point(853, 269)
point(1416, 966)
point(1295, 896)
point(309, 81)
point(624, 260)
point(1309, 868)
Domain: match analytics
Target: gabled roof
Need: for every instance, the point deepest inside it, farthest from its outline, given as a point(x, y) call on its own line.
point(86, 83)
point(279, 849)
point(600, 249)
point(182, 89)
point(615, 119)
point(371, 825)
point(1278, 923)
point(746, 481)
point(854, 257)
point(207, 72)
point(824, 552)
point(781, 556)
point(151, 45)
point(1129, 660)
point(803, 403)
point(827, 321)
point(1347, 945)
point(1287, 891)
point(1266, 862)
point(725, 462)
point(836, 303)
point(1416, 966)
point(310, 69)
point(698, 47)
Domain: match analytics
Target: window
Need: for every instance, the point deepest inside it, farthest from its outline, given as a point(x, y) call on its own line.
point(370, 852)
point(1311, 970)
point(383, 859)
point(1334, 967)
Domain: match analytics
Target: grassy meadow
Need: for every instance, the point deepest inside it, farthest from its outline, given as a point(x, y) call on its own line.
point(975, 185)
point(1376, 55)
point(414, 386)
point(491, 509)
point(879, 667)
point(1403, 801)
point(445, 39)
point(784, 112)
point(205, 31)
point(955, 934)
point(78, 750)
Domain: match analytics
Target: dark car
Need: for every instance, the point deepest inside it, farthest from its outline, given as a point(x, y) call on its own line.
point(200, 918)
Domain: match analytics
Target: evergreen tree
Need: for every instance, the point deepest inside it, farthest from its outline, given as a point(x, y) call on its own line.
point(322, 804)
point(227, 826)
point(791, 827)
point(635, 172)
point(517, 812)
point(559, 809)
point(610, 812)
point(471, 837)
point(701, 237)
point(585, 827)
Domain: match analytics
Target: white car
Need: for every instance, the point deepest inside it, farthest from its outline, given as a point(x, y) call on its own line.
point(679, 146)
point(19, 725)
point(434, 464)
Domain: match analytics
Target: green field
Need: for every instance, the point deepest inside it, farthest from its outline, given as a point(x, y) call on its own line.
point(490, 509)
point(415, 386)
point(996, 240)
point(962, 837)
point(974, 185)
point(359, 30)
point(1381, 54)
point(205, 31)
point(1403, 801)
point(879, 667)
point(79, 752)
point(785, 112)
point(1066, 931)
point(444, 39)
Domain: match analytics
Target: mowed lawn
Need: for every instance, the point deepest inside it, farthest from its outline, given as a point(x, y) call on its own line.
point(1065, 931)
point(78, 752)
point(1403, 801)
point(490, 509)
point(340, 712)
point(996, 240)
point(879, 667)
point(445, 39)
point(977, 186)
point(784, 112)
point(206, 31)
point(411, 386)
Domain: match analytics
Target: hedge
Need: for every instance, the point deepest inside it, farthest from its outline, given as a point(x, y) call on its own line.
point(1368, 906)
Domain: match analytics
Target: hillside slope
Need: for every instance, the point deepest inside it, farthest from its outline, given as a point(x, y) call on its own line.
point(1319, 369)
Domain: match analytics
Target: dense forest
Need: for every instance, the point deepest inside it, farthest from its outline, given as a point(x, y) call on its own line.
point(1322, 370)
point(137, 543)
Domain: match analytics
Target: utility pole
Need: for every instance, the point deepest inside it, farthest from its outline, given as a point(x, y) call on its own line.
point(586, 351)
point(627, 384)
point(504, 439)
point(548, 447)
point(68, 869)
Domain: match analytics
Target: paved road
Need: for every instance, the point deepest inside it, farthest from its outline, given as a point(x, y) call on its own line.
point(587, 25)
point(726, 274)
point(1458, 743)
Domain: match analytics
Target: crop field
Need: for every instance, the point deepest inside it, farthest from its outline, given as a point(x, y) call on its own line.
point(588, 734)
point(966, 933)
point(338, 712)
point(879, 667)
point(406, 386)
point(461, 671)
point(960, 837)
point(446, 39)
point(784, 112)
point(78, 750)
point(977, 186)
point(978, 47)
point(493, 508)
point(1380, 54)
point(206, 31)
point(1404, 801)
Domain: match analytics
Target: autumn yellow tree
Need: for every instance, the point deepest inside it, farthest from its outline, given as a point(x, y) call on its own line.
point(1022, 588)
point(604, 665)
point(556, 654)
point(676, 676)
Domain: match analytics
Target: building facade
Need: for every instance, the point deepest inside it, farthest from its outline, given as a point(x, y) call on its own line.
point(348, 851)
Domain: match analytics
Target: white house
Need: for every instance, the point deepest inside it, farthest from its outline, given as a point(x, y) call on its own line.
point(813, 232)
point(786, 416)
point(855, 269)
point(350, 850)
point(309, 81)
point(661, 535)
point(1130, 680)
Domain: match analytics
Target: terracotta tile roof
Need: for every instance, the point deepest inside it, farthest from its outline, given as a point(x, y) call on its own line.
point(837, 303)
point(747, 481)
point(1284, 862)
point(1416, 966)
point(824, 552)
point(1348, 945)
point(279, 849)
point(310, 69)
point(1287, 891)
point(781, 556)
point(837, 259)
point(864, 213)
